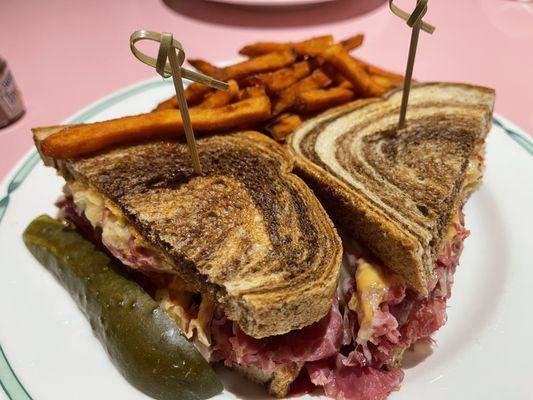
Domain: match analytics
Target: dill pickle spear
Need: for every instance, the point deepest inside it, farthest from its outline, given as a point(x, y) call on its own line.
point(143, 342)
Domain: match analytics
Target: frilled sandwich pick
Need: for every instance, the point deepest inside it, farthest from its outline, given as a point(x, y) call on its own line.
point(247, 261)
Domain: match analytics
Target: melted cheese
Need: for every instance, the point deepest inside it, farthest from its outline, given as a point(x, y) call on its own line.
point(474, 171)
point(176, 301)
point(116, 231)
point(452, 230)
point(90, 202)
point(473, 174)
point(373, 283)
point(372, 276)
point(201, 324)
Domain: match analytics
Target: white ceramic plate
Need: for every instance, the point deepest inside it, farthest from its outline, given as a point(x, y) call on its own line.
point(48, 351)
point(272, 4)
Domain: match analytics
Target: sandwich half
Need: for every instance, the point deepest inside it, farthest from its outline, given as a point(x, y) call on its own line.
point(242, 255)
point(397, 197)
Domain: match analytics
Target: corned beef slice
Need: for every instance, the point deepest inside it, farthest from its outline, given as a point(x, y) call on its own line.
point(314, 342)
point(352, 383)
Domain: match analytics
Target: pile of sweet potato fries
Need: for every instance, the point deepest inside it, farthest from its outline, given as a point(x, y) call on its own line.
point(273, 91)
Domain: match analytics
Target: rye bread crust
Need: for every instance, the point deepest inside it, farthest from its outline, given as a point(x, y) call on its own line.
point(278, 383)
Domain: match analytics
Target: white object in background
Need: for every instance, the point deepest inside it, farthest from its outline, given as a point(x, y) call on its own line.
point(272, 4)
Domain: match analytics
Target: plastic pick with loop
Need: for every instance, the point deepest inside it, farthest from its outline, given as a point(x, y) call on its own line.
point(415, 21)
point(172, 50)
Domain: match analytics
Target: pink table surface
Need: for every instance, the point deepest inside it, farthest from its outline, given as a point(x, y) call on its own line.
point(65, 54)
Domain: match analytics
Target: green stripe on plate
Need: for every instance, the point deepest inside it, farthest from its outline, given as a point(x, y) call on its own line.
point(522, 140)
point(8, 378)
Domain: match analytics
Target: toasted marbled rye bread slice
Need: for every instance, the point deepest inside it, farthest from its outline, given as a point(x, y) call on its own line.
point(396, 190)
point(247, 230)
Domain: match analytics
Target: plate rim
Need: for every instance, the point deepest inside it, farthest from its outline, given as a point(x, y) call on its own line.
point(9, 380)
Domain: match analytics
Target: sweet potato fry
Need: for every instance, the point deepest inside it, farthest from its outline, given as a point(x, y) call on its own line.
point(333, 73)
point(194, 94)
point(284, 125)
point(264, 63)
point(79, 140)
point(168, 104)
point(220, 98)
point(373, 70)
point(321, 99)
point(276, 81)
point(251, 91)
point(314, 46)
point(310, 47)
point(260, 48)
point(316, 80)
point(386, 83)
point(208, 69)
point(352, 42)
point(362, 82)
point(346, 85)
